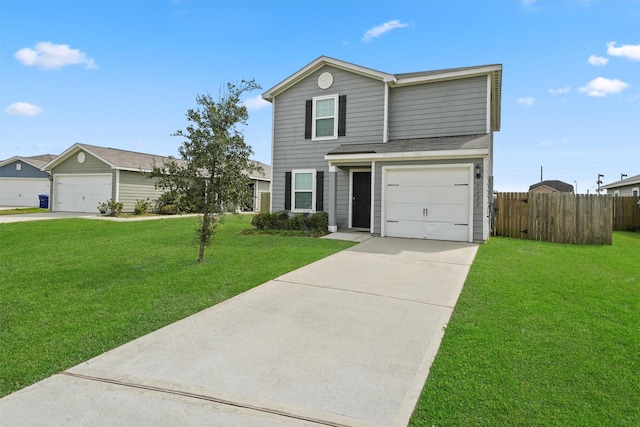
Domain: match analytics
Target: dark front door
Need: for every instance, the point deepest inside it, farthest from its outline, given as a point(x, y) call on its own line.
point(361, 203)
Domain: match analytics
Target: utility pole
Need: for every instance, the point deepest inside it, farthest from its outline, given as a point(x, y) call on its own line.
point(540, 173)
point(576, 183)
point(623, 176)
point(599, 182)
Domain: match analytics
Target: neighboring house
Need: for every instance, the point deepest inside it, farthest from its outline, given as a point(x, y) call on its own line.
point(22, 181)
point(551, 186)
point(260, 183)
point(626, 187)
point(84, 176)
point(404, 155)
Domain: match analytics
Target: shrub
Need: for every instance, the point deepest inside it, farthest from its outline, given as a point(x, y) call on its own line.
point(110, 207)
point(168, 210)
point(299, 222)
point(317, 223)
point(142, 207)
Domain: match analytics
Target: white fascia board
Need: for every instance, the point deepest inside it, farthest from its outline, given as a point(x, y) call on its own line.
point(449, 75)
point(18, 159)
point(412, 155)
point(316, 65)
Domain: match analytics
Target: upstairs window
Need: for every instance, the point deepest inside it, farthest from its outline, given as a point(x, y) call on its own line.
point(325, 120)
point(325, 117)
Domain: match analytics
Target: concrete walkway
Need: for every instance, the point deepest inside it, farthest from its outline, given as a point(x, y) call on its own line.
point(345, 341)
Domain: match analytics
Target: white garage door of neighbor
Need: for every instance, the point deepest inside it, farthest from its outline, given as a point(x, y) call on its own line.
point(22, 192)
point(80, 193)
point(429, 203)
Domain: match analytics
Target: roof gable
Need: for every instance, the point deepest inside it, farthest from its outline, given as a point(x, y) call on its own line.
point(115, 158)
point(494, 71)
point(315, 66)
point(35, 161)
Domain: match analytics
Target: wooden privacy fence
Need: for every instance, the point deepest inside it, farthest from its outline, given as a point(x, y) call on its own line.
point(555, 217)
point(265, 201)
point(626, 213)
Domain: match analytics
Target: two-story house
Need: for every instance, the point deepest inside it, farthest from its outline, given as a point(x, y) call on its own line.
point(403, 155)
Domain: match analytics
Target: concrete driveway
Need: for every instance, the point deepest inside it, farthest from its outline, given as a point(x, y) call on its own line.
point(45, 215)
point(345, 341)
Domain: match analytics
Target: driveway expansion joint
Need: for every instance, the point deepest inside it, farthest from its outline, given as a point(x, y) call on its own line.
point(363, 293)
point(203, 397)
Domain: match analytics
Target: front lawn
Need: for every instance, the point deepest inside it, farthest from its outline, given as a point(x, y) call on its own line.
point(543, 335)
point(16, 211)
point(71, 289)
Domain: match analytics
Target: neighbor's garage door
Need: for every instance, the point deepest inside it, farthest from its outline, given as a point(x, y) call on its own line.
point(429, 203)
point(22, 191)
point(80, 193)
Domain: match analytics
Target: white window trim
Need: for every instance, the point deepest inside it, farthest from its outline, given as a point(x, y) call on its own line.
point(616, 193)
point(314, 119)
point(637, 190)
point(293, 190)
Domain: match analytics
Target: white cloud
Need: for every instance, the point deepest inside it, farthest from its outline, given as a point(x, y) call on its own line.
point(598, 60)
point(628, 51)
point(381, 29)
point(256, 103)
point(545, 143)
point(527, 102)
point(49, 55)
point(602, 87)
point(23, 109)
point(561, 91)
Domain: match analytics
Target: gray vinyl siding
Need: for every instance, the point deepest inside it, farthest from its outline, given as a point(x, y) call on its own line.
point(91, 165)
point(365, 109)
point(26, 171)
point(134, 186)
point(455, 107)
point(478, 212)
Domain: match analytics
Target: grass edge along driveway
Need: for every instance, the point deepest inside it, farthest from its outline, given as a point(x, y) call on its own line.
point(543, 334)
point(71, 289)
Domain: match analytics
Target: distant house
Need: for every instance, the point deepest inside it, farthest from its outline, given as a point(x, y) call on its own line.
point(551, 186)
point(625, 187)
point(22, 181)
point(84, 176)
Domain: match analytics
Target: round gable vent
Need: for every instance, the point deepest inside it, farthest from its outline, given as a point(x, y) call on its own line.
point(325, 80)
point(81, 157)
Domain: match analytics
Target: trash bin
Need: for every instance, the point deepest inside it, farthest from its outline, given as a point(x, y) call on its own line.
point(44, 201)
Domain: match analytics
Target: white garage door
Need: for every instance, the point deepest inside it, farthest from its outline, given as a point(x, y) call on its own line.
point(80, 193)
point(429, 203)
point(22, 192)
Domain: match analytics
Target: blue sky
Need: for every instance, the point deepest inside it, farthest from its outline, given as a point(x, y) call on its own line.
point(122, 74)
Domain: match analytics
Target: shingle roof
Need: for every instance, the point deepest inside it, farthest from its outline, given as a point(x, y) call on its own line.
point(562, 187)
point(35, 161)
point(624, 182)
point(464, 142)
point(132, 160)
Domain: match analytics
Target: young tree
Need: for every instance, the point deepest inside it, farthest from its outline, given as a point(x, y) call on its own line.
point(213, 170)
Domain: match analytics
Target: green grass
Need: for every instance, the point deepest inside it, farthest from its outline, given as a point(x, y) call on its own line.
point(543, 335)
point(71, 289)
point(16, 211)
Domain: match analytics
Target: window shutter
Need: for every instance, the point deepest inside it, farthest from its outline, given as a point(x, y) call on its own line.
point(308, 117)
point(287, 191)
point(342, 115)
point(319, 191)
